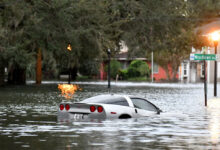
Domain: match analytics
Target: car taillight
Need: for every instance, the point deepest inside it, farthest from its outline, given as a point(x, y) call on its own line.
point(92, 108)
point(67, 107)
point(100, 109)
point(61, 106)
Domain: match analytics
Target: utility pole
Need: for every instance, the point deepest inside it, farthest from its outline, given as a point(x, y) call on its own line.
point(69, 48)
point(215, 71)
point(152, 66)
point(109, 69)
point(205, 83)
point(215, 37)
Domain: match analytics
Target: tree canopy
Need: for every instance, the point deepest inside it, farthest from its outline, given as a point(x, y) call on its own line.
point(166, 27)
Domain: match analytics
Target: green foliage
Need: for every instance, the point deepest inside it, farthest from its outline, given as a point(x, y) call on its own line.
point(124, 74)
point(144, 69)
point(168, 30)
point(139, 79)
point(89, 68)
point(138, 68)
point(115, 67)
point(82, 78)
point(50, 25)
point(92, 26)
point(49, 66)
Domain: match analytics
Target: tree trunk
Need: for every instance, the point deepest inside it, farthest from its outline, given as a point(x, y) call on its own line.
point(174, 76)
point(175, 67)
point(167, 74)
point(74, 73)
point(39, 67)
point(166, 68)
point(2, 75)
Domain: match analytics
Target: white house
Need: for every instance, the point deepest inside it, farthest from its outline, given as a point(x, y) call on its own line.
point(192, 71)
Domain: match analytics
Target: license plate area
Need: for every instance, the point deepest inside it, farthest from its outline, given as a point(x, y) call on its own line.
point(79, 116)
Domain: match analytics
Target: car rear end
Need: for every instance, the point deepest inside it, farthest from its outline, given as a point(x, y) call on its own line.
point(118, 111)
point(80, 111)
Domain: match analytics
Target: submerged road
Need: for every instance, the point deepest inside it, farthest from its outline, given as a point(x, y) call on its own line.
point(28, 119)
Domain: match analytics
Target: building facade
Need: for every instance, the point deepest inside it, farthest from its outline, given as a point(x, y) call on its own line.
point(193, 71)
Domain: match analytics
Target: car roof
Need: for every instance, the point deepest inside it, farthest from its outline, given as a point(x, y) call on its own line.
point(106, 97)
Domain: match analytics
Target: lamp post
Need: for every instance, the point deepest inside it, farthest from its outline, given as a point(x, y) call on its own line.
point(109, 70)
point(215, 38)
point(69, 48)
point(152, 66)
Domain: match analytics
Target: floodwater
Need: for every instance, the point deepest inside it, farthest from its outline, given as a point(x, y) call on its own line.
point(28, 119)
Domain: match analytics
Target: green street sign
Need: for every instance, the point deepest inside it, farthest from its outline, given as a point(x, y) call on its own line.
point(203, 57)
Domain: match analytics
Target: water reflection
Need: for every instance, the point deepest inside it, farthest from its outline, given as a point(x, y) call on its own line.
point(214, 126)
point(28, 120)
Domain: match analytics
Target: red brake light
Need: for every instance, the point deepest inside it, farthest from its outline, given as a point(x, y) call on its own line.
point(92, 108)
point(113, 113)
point(61, 106)
point(67, 107)
point(100, 109)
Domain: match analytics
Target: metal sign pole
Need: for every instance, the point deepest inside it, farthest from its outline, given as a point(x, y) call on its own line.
point(205, 83)
point(109, 66)
point(152, 66)
point(208, 57)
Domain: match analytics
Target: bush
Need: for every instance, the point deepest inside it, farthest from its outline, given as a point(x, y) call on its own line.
point(89, 68)
point(138, 68)
point(133, 72)
point(139, 79)
point(82, 78)
point(115, 67)
point(144, 70)
point(123, 74)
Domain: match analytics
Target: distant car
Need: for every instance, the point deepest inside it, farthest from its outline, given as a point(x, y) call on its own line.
point(107, 107)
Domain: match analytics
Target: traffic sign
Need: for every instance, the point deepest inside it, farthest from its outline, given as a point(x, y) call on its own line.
point(211, 57)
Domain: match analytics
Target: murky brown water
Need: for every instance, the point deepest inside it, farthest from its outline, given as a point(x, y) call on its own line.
point(28, 120)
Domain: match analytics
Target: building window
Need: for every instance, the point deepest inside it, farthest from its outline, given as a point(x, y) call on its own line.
point(155, 67)
point(185, 69)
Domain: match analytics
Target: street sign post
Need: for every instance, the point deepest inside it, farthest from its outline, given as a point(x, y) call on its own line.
point(205, 57)
point(210, 57)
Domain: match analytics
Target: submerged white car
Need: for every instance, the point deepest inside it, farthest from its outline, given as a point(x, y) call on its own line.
point(107, 107)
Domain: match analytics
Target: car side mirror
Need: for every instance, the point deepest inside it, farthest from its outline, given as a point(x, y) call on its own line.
point(159, 111)
point(136, 111)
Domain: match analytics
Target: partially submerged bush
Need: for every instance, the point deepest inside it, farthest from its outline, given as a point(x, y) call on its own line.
point(138, 68)
point(115, 67)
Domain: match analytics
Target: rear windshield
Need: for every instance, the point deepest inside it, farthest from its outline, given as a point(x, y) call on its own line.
point(107, 99)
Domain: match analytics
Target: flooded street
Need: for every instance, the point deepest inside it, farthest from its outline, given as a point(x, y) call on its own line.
point(28, 119)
